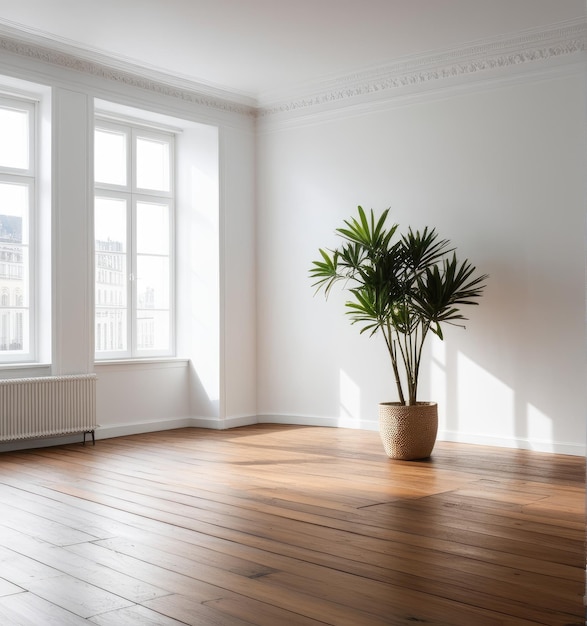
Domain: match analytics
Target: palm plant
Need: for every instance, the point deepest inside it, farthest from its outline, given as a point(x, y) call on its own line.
point(404, 287)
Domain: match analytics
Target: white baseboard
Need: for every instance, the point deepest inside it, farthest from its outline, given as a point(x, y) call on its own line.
point(138, 428)
point(238, 421)
point(554, 447)
point(312, 420)
point(214, 423)
point(106, 432)
point(298, 420)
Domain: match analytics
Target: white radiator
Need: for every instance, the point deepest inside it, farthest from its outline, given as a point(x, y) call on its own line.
point(47, 406)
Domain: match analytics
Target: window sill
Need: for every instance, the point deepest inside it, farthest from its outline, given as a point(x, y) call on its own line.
point(24, 370)
point(148, 363)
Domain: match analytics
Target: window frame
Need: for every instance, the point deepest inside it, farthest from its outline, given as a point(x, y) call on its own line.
point(28, 177)
point(132, 194)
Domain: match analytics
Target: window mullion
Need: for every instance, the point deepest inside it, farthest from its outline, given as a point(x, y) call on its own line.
point(132, 257)
point(133, 158)
point(132, 266)
point(32, 287)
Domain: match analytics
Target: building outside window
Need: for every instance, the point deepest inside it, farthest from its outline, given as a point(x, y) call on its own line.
point(17, 212)
point(134, 206)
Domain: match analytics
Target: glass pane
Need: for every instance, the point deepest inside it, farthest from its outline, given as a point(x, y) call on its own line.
point(153, 330)
point(110, 224)
point(14, 330)
point(14, 271)
point(14, 203)
point(110, 157)
point(111, 274)
point(152, 228)
point(110, 330)
point(111, 284)
point(14, 130)
point(153, 164)
point(152, 282)
point(14, 268)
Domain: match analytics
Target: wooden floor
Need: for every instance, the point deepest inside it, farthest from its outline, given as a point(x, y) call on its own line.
point(287, 526)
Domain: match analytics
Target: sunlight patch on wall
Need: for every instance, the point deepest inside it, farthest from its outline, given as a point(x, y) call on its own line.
point(486, 405)
point(539, 427)
point(350, 402)
point(438, 378)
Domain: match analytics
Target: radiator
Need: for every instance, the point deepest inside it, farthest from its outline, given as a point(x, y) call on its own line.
point(47, 406)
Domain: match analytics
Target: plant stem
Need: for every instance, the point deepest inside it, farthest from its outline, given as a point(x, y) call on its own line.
point(388, 334)
point(413, 371)
point(403, 346)
point(425, 328)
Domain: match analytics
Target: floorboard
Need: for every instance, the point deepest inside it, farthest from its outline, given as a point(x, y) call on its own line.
point(286, 525)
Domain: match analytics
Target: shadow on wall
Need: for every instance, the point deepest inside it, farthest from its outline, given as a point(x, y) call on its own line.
point(522, 397)
point(477, 406)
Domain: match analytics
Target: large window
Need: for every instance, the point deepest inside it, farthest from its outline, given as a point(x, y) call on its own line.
point(17, 212)
point(133, 211)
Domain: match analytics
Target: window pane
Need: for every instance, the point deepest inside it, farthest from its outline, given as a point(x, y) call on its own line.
point(153, 164)
point(110, 279)
point(152, 282)
point(152, 228)
point(110, 216)
point(14, 268)
point(153, 330)
point(14, 203)
point(110, 157)
point(14, 130)
point(110, 330)
point(111, 273)
point(14, 314)
point(14, 330)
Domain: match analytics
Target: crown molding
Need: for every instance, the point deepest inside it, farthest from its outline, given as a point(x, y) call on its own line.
point(527, 51)
point(531, 50)
point(23, 43)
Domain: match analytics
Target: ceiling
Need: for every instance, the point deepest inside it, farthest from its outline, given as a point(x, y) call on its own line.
point(256, 48)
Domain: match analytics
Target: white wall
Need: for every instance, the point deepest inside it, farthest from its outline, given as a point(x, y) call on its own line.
point(239, 286)
point(496, 167)
point(499, 169)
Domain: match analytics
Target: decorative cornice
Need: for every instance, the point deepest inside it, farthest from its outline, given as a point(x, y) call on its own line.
point(529, 50)
point(526, 51)
point(125, 73)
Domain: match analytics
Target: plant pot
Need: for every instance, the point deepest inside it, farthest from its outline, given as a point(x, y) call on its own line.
point(408, 432)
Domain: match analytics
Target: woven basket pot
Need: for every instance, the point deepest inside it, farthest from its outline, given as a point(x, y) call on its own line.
point(408, 432)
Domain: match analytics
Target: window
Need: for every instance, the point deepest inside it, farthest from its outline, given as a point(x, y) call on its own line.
point(134, 216)
point(17, 217)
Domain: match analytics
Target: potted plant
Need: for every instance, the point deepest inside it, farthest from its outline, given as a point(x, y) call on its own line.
point(404, 287)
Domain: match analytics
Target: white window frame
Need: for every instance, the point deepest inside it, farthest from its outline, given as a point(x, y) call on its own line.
point(133, 195)
point(28, 177)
